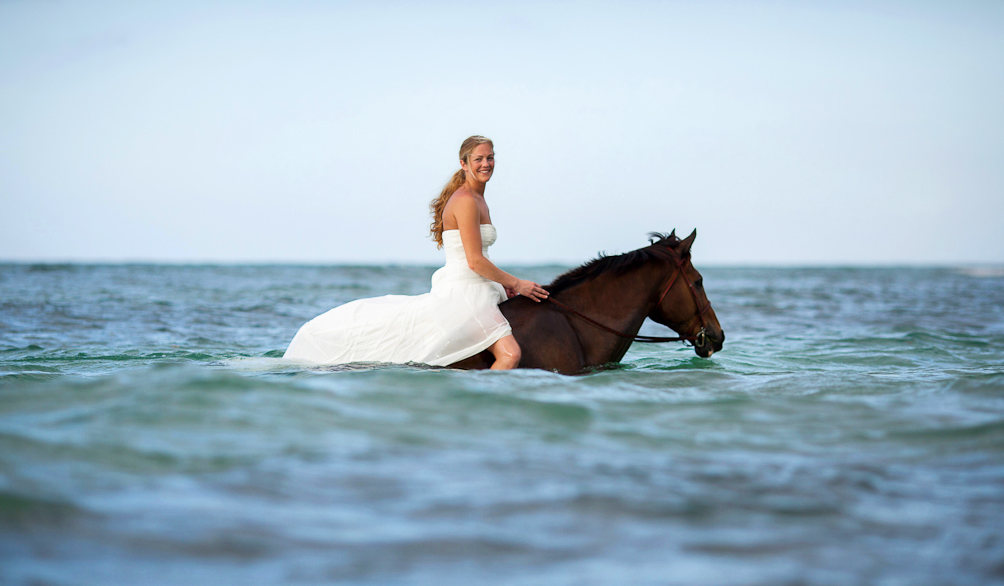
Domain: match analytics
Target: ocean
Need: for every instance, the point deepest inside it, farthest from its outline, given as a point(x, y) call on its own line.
point(850, 432)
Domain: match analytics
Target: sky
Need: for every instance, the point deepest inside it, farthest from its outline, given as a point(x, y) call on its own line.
point(786, 133)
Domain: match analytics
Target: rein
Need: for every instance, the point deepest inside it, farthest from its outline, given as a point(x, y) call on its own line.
point(697, 339)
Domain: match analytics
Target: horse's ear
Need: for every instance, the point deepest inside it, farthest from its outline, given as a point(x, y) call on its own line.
point(672, 234)
point(684, 247)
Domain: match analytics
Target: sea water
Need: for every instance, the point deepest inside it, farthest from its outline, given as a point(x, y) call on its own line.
point(851, 432)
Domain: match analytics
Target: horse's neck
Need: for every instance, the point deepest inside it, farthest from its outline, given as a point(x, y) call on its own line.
point(620, 302)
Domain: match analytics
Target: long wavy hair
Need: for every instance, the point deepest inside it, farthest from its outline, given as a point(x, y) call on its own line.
point(439, 204)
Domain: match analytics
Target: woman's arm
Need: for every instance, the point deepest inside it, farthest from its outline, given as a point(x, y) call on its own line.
point(468, 215)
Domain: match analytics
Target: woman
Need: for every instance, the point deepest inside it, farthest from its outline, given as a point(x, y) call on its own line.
point(459, 317)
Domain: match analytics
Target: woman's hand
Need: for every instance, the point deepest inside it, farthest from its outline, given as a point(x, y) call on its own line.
point(530, 289)
point(510, 292)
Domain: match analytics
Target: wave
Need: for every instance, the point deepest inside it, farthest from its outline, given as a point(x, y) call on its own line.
point(991, 272)
point(22, 512)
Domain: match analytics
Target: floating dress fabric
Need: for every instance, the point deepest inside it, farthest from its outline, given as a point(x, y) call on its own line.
point(457, 319)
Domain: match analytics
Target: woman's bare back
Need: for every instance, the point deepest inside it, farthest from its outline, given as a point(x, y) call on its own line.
point(450, 218)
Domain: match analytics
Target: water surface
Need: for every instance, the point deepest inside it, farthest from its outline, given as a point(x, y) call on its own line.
point(852, 432)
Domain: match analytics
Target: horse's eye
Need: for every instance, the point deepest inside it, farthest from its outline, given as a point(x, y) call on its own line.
point(699, 283)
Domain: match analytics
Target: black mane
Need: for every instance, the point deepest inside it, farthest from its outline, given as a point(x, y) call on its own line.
point(659, 248)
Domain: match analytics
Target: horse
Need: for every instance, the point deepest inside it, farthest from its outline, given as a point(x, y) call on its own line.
point(594, 311)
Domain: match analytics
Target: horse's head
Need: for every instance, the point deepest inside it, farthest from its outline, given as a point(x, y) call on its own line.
point(681, 302)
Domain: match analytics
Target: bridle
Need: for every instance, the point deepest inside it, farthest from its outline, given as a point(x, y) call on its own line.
point(698, 340)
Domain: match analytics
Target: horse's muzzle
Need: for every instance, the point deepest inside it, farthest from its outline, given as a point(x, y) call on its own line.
point(708, 342)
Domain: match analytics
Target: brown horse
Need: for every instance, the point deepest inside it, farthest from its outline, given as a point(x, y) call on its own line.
point(596, 310)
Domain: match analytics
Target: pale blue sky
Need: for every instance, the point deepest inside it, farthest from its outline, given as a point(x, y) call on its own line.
point(785, 132)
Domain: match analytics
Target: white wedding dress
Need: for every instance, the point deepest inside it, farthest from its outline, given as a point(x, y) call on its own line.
point(457, 319)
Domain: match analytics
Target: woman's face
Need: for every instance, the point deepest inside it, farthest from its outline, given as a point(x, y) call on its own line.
point(481, 163)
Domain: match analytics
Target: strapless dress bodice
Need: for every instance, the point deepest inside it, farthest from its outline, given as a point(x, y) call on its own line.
point(453, 246)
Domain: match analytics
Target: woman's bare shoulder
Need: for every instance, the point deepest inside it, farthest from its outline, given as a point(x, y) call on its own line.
point(462, 199)
point(462, 193)
point(462, 208)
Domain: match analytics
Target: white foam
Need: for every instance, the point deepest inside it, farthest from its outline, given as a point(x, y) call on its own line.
point(983, 272)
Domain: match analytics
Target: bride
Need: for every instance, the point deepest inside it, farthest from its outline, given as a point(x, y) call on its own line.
point(459, 317)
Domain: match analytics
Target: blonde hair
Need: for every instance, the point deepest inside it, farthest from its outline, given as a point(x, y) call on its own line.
point(437, 205)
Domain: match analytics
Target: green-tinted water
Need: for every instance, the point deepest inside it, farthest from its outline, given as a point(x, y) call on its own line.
point(852, 432)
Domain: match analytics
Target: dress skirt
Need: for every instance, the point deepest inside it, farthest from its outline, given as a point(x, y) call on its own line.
point(457, 319)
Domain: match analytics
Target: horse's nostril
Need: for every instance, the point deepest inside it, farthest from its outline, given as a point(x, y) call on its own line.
point(714, 341)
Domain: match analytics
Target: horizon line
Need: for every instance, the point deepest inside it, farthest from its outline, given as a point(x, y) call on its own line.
point(550, 263)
